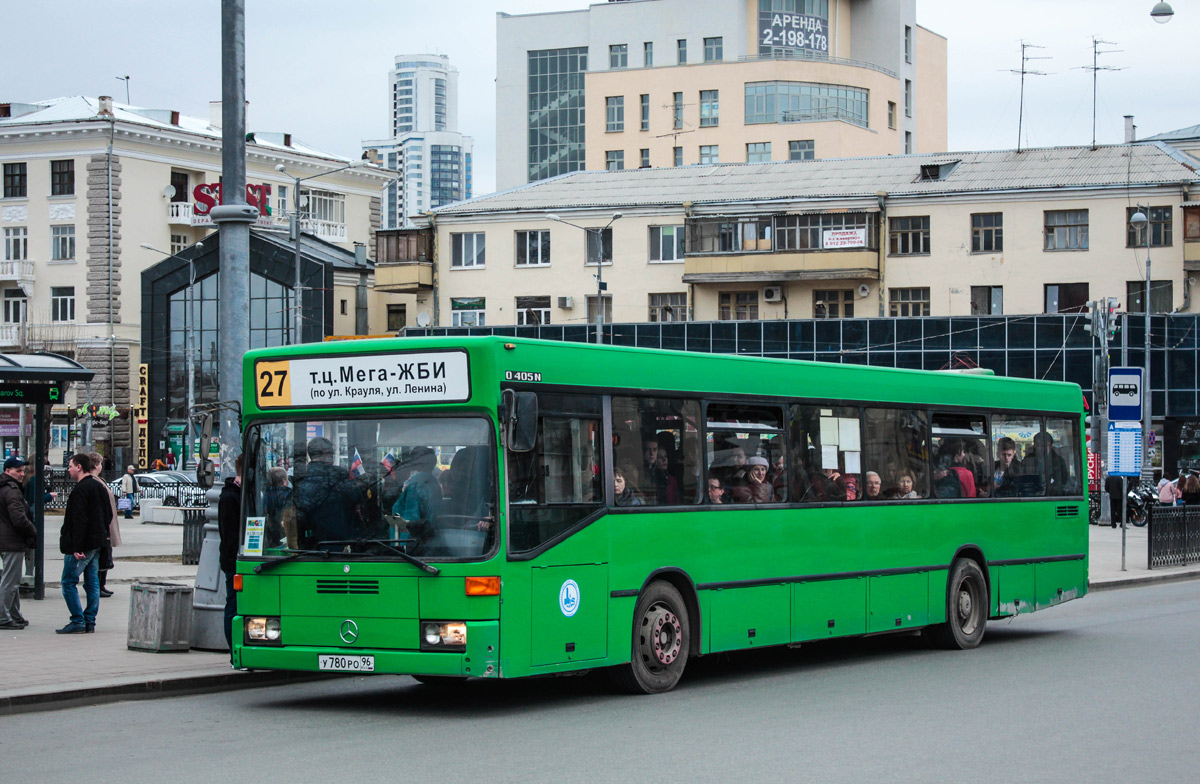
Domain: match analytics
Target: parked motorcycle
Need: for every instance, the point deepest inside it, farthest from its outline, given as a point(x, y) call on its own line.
point(1138, 502)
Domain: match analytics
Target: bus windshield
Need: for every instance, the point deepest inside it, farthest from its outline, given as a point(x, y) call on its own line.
point(423, 485)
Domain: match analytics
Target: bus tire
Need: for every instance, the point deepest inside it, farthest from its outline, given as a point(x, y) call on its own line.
point(661, 642)
point(966, 608)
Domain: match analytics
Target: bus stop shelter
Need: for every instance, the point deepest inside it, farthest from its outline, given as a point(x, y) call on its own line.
point(39, 380)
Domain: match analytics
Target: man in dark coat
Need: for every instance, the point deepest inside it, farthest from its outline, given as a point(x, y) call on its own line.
point(85, 522)
point(17, 533)
point(229, 525)
point(326, 500)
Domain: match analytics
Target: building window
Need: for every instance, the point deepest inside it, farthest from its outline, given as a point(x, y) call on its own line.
point(833, 303)
point(648, 54)
point(892, 115)
point(62, 178)
point(397, 317)
point(908, 41)
point(713, 50)
point(677, 156)
point(599, 246)
point(709, 153)
point(15, 181)
point(181, 191)
point(987, 300)
point(677, 111)
point(987, 232)
point(614, 113)
point(826, 231)
point(62, 243)
point(324, 206)
point(343, 307)
point(758, 152)
point(729, 235)
point(62, 303)
point(608, 309)
point(668, 307)
point(614, 160)
point(533, 248)
point(16, 306)
point(1161, 296)
point(1066, 297)
point(555, 125)
point(908, 145)
point(467, 250)
point(681, 51)
point(1159, 225)
point(16, 243)
point(909, 236)
point(738, 305)
point(710, 108)
point(645, 158)
point(802, 150)
point(532, 311)
point(1066, 230)
point(618, 56)
point(908, 302)
point(666, 243)
point(908, 98)
point(789, 102)
point(1191, 223)
point(467, 312)
point(645, 102)
point(179, 242)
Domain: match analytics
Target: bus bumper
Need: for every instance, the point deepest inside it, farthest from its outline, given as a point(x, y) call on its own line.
point(480, 660)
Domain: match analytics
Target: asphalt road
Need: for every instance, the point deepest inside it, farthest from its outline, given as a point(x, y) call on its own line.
point(1106, 689)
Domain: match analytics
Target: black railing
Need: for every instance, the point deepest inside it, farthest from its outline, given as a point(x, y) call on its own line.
point(186, 494)
point(193, 534)
point(1174, 536)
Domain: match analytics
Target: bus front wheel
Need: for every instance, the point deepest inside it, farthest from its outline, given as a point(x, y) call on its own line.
point(966, 608)
point(661, 642)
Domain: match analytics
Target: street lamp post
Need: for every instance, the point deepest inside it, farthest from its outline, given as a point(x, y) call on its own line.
point(616, 216)
point(1140, 220)
point(294, 234)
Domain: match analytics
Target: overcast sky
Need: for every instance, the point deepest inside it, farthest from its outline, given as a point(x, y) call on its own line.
point(318, 68)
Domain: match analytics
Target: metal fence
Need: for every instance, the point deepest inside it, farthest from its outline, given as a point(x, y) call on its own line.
point(1174, 536)
point(193, 534)
point(186, 494)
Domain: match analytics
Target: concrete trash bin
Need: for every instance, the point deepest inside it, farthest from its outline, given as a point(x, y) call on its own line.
point(160, 617)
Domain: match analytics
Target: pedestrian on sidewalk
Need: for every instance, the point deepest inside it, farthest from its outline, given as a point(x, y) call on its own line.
point(129, 489)
point(110, 541)
point(17, 533)
point(1169, 492)
point(84, 523)
point(229, 525)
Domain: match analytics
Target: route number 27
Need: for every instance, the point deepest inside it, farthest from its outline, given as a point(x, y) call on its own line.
point(268, 378)
point(273, 386)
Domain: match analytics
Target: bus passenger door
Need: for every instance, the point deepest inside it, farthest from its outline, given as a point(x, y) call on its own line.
point(569, 616)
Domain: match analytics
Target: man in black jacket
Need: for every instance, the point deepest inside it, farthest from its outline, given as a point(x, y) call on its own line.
point(229, 526)
point(16, 534)
point(85, 522)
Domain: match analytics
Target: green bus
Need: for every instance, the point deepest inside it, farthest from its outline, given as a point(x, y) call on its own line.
point(498, 507)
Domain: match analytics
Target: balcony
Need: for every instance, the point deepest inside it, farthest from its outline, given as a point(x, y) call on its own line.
point(12, 335)
point(1191, 255)
point(404, 277)
point(16, 271)
point(179, 213)
point(781, 266)
point(326, 230)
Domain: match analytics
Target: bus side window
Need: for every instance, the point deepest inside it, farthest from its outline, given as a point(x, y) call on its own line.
point(897, 448)
point(826, 451)
point(743, 440)
point(1016, 471)
point(655, 445)
point(1061, 457)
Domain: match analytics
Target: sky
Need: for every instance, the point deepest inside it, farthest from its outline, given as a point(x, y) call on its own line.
point(318, 69)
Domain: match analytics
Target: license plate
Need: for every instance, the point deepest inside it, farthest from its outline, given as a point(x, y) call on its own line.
point(346, 663)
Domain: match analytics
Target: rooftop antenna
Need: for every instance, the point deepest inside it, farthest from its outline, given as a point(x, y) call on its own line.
point(1025, 58)
point(126, 80)
point(1094, 67)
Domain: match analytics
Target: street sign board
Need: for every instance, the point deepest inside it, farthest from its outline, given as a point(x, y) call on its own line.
point(1124, 448)
point(1125, 394)
point(31, 393)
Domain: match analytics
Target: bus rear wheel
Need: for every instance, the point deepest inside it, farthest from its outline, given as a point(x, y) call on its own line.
point(661, 642)
point(966, 608)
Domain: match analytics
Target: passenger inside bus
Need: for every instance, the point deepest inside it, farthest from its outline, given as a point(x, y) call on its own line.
point(325, 499)
point(421, 500)
point(623, 494)
point(756, 490)
point(872, 487)
point(716, 492)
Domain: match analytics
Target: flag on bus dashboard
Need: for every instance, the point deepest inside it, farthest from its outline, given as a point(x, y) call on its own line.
point(356, 466)
point(389, 462)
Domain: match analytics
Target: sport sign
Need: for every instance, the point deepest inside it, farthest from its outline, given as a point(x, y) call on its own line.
point(366, 379)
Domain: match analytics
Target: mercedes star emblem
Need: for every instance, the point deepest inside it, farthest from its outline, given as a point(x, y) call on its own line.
point(349, 632)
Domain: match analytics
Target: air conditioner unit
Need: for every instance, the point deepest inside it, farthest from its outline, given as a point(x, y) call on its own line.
point(566, 303)
point(772, 293)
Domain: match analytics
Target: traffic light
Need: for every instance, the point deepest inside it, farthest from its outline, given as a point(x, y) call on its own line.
point(1110, 316)
point(1089, 318)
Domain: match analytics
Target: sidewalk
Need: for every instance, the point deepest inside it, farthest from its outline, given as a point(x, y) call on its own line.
point(44, 670)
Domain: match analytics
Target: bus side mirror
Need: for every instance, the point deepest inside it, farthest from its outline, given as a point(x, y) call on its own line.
point(205, 474)
point(519, 411)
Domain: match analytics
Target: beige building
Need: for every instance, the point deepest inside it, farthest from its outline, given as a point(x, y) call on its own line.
point(657, 83)
point(87, 183)
point(1039, 231)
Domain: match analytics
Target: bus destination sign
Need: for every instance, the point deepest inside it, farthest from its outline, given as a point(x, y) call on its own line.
point(367, 379)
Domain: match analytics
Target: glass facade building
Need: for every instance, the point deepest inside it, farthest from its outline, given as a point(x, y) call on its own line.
point(556, 111)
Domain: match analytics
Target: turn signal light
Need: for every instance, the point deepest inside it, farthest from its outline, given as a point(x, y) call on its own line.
point(483, 586)
point(237, 583)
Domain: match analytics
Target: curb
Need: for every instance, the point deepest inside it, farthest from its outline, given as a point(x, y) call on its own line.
point(154, 689)
point(1129, 582)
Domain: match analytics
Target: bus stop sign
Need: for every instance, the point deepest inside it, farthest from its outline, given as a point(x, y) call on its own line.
point(1125, 394)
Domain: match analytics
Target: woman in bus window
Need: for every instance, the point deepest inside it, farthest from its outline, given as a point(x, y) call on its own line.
point(757, 489)
point(906, 485)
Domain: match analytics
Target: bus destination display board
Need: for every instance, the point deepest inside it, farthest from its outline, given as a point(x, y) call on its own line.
point(367, 379)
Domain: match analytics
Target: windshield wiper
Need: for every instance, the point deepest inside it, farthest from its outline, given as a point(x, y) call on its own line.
point(293, 555)
point(386, 544)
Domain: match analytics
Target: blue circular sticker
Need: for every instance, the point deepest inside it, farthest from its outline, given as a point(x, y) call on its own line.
point(568, 598)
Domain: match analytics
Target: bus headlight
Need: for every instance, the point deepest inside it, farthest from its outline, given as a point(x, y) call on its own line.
point(443, 636)
point(260, 629)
